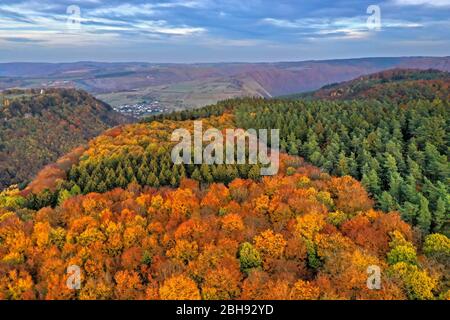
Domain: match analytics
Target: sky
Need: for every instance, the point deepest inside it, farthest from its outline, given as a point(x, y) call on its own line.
point(221, 31)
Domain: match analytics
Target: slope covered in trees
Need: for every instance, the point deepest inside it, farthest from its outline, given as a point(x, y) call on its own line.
point(139, 153)
point(300, 235)
point(398, 148)
point(37, 127)
point(400, 85)
point(140, 227)
point(399, 152)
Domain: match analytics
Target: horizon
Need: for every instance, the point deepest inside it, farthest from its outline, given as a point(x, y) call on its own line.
point(226, 62)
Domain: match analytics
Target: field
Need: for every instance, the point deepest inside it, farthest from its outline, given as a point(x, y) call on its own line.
point(188, 95)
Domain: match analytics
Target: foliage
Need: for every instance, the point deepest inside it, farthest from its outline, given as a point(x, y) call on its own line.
point(249, 257)
point(147, 243)
point(140, 227)
point(36, 129)
point(438, 246)
point(398, 150)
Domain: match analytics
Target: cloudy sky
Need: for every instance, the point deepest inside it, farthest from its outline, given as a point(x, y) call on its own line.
point(225, 30)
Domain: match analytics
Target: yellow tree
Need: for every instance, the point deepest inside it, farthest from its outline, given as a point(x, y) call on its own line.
point(179, 287)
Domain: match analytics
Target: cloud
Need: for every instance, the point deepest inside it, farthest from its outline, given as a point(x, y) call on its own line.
point(343, 28)
point(163, 27)
point(141, 9)
point(186, 27)
point(123, 10)
point(431, 3)
point(284, 23)
point(21, 40)
point(34, 23)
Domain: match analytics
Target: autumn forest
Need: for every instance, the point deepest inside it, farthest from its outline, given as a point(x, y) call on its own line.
point(363, 183)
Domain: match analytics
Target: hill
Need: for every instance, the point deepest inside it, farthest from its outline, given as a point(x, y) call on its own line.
point(141, 227)
point(36, 127)
point(301, 234)
point(400, 85)
point(185, 86)
point(402, 162)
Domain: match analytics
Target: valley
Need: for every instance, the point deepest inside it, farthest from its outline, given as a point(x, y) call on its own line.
point(186, 86)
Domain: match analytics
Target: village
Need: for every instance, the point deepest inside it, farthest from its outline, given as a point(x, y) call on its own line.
point(141, 109)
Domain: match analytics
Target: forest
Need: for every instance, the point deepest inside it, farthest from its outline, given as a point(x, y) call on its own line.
point(400, 153)
point(362, 183)
point(300, 235)
point(396, 142)
point(399, 85)
point(38, 127)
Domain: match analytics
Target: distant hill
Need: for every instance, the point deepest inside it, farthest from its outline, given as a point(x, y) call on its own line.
point(185, 86)
point(395, 84)
point(36, 127)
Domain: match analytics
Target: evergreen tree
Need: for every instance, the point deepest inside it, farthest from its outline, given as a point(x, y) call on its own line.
point(409, 212)
point(196, 175)
point(255, 172)
point(395, 184)
point(409, 190)
point(102, 187)
point(440, 215)
point(386, 202)
point(424, 215)
point(371, 182)
point(292, 144)
point(63, 196)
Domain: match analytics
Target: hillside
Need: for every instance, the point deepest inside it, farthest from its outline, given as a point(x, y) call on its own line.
point(398, 85)
point(399, 153)
point(185, 86)
point(37, 127)
point(302, 234)
point(141, 227)
point(402, 162)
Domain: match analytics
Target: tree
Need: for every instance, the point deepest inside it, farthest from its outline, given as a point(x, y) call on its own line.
point(292, 144)
point(269, 244)
point(409, 212)
point(395, 184)
point(409, 190)
point(128, 285)
point(305, 290)
point(371, 182)
point(401, 251)
point(179, 287)
point(184, 251)
point(440, 215)
point(255, 172)
point(437, 246)
point(232, 224)
point(386, 202)
point(436, 165)
point(221, 284)
point(16, 285)
point(418, 284)
point(63, 196)
point(424, 215)
point(249, 257)
point(196, 175)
